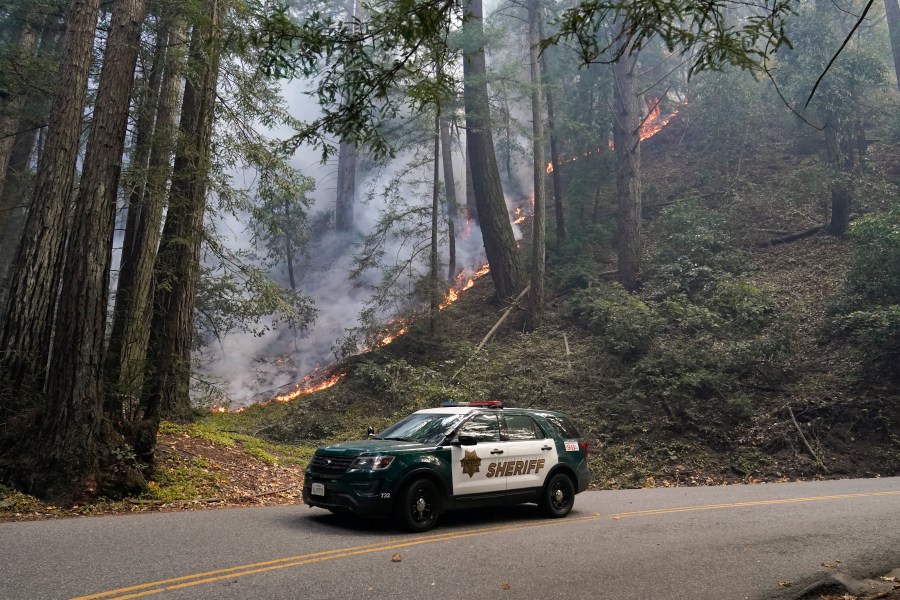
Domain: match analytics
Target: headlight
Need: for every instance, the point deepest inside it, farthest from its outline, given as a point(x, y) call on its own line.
point(371, 463)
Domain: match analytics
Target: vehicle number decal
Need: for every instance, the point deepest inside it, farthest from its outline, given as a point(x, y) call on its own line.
point(571, 446)
point(385, 495)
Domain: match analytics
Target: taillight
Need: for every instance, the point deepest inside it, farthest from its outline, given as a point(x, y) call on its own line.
point(584, 448)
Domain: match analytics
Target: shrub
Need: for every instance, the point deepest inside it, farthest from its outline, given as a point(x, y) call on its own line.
point(742, 303)
point(626, 324)
point(696, 253)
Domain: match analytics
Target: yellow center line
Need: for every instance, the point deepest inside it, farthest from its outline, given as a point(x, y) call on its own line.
point(176, 583)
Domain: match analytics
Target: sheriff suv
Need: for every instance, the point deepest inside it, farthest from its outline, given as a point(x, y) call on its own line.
point(455, 456)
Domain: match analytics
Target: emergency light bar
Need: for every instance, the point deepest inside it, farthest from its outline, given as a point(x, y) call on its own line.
point(476, 403)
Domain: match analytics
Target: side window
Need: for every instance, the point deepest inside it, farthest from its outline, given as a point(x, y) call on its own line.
point(486, 428)
point(563, 426)
point(519, 428)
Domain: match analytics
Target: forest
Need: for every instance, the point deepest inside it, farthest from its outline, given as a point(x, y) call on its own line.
point(678, 222)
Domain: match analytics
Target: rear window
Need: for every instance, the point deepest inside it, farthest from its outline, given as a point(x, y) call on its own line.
point(563, 426)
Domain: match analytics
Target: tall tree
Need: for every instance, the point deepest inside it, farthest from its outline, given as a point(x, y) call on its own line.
point(167, 380)
point(73, 403)
point(493, 216)
point(133, 307)
point(347, 160)
point(555, 158)
point(450, 191)
point(538, 244)
point(626, 137)
point(26, 336)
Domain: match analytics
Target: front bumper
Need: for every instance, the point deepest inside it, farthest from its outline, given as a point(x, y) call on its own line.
point(364, 497)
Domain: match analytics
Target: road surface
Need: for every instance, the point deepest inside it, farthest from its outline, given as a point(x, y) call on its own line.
point(728, 542)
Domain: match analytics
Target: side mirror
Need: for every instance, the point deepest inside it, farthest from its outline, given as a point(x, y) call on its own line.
point(464, 440)
point(370, 431)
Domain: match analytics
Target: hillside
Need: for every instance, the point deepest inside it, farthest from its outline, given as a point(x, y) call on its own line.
point(728, 366)
point(739, 374)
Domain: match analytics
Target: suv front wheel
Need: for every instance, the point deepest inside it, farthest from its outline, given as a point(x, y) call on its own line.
point(559, 496)
point(419, 506)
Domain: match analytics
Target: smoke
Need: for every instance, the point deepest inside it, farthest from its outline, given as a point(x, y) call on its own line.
point(250, 368)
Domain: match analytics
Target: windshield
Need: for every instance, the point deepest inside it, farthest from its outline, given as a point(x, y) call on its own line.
point(428, 428)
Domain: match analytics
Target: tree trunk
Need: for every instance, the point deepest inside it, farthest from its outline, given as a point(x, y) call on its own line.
point(493, 216)
point(27, 333)
point(168, 368)
point(892, 9)
point(14, 207)
point(288, 243)
point(11, 111)
point(840, 192)
point(538, 250)
point(626, 136)
point(133, 308)
point(346, 187)
point(433, 284)
point(555, 159)
point(450, 191)
point(347, 159)
point(73, 406)
point(471, 207)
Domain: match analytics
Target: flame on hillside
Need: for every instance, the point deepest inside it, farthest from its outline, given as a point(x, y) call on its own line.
point(307, 387)
point(653, 124)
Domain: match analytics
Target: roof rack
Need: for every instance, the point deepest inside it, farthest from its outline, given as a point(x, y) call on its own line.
point(476, 404)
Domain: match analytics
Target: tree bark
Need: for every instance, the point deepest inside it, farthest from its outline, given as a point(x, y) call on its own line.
point(535, 310)
point(133, 308)
point(892, 8)
point(168, 368)
point(14, 207)
point(626, 136)
point(26, 336)
point(433, 285)
point(471, 207)
point(11, 111)
point(73, 405)
point(347, 159)
point(555, 159)
point(493, 216)
point(450, 191)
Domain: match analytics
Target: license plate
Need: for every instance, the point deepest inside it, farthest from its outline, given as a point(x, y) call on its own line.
point(318, 489)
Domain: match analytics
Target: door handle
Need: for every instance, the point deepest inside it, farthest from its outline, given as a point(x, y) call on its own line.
point(495, 451)
point(547, 448)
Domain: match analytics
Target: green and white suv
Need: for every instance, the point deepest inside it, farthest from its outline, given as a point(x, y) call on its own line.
point(451, 457)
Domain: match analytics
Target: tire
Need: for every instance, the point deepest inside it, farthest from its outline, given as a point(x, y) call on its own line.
point(558, 496)
point(419, 506)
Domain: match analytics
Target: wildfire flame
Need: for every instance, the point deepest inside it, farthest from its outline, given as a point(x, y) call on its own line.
point(219, 409)
point(519, 216)
point(653, 124)
point(307, 387)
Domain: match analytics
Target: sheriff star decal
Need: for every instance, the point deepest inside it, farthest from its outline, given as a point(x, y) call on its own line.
point(470, 463)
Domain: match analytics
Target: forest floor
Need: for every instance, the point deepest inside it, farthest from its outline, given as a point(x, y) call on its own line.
point(198, 468)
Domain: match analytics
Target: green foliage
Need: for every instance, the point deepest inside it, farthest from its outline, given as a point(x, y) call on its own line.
point(869, 307)
point(626, 325)
point(742, 303)
point(191, 481)
point(713, 34)
point(13, 501)
point(695, 255)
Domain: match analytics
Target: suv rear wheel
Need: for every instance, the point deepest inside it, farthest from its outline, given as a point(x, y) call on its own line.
point(559, 496)
point(419, 506)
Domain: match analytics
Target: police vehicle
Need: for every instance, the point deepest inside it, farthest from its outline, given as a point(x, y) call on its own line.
point(455, 456)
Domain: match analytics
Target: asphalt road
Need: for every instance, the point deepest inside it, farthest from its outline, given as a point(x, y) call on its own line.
point(692, 543)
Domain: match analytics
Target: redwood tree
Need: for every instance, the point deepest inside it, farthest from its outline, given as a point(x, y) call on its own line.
point(73, 413)
point(27, 332)
point(167, 379)
point(493, 216)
